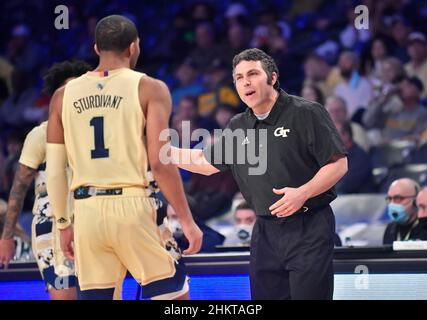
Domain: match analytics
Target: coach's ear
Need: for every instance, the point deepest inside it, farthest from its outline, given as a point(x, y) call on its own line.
point(273, 78)
point(96, 49)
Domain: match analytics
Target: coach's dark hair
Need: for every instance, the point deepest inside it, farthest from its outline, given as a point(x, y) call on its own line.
point(115, 33)
point(60, 72)
point(267, 63)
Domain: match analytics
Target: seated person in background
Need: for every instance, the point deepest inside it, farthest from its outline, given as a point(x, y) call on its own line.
point(359, 177)
point(420, 231)
point(244, 221)
point(211, 238)
point(354, 89)
point(219, 89)
point(337, 109)
point(401, 210)
point(312, 92)
point(211, 196)
point(405, 120)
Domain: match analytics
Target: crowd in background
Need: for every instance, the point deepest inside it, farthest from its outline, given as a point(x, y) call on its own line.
point(373, 81)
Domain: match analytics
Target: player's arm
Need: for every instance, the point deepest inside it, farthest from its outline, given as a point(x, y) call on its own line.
point(192, 160)
point(158, 110)
point(24, 176)
point(56, 165)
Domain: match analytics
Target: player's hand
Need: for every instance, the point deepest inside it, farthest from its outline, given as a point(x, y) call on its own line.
point(293, 199)
point(67, 239)
point(7, 251)
point(194, 236)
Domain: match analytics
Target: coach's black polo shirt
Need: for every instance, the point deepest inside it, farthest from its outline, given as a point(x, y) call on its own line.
point(301, 138)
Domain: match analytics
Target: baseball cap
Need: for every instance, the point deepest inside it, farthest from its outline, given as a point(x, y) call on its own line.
point(416, 37)
point(236, 9)
point(415, 81)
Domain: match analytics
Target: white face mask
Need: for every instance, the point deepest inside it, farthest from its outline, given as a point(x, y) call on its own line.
point(175, 228)
point(244, 232)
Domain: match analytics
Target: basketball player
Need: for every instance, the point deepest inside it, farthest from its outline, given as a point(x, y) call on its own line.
point(56, 270)
point(106, 124)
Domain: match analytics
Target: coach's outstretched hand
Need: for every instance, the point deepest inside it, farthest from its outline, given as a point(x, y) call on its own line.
point(67, 239)
point(194, 236)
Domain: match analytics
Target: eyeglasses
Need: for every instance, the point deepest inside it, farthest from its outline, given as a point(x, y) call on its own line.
point(397, 199)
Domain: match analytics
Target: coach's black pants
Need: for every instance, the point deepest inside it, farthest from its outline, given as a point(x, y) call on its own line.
point(291, 258)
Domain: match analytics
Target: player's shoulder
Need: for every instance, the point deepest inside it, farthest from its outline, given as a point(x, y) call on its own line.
point(37, 133)
point(149, 82)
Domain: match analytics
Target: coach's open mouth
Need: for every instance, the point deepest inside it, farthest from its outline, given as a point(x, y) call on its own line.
point(249, 93)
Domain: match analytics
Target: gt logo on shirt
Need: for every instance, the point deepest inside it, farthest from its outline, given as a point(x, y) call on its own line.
point(281, 132)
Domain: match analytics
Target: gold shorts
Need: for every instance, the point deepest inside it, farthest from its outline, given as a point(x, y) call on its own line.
point(56, 270)
point(118, 233)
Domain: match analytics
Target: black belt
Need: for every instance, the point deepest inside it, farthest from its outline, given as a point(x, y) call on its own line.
point(303, 210)
point(87, 192)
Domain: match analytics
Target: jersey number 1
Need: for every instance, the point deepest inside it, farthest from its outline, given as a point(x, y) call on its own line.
point(98, 126)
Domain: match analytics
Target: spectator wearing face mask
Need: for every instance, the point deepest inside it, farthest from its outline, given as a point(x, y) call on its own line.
point(402, 211)
point(244, 221)
point(420, 231)
point(211, 238)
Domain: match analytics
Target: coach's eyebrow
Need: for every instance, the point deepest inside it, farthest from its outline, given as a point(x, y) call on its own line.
point(247, 72)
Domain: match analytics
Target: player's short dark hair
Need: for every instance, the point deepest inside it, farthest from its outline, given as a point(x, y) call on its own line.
point(115, 33)
point(267, 63)
point(243, 206)
point(60, 72)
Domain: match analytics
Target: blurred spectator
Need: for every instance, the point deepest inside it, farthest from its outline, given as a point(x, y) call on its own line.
point(219, 89)
point(211, 195)
point(350, 37)
point(337, 109)
point(206, 48)
point(354, 89)
point(389, 75)
point(14, 144)
point(188, 82)
point(85, 50)
point(420, 231)
point(4, 91)
point(13, 112)
point(235, 13)
point(401, 210)
point(417, 51)
point(320, 73)
point(24, 52)
point(377, 53)
point(244, 221)
point(359, 177)
point(187, 110)
point(211, 238)
point(6, 70)
point(400, 29)
point(184, 121)
point(404, 120)
point(173, 46)
point(223, 115)
point(238, 38)
point(202, 11)
point(313, 93)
